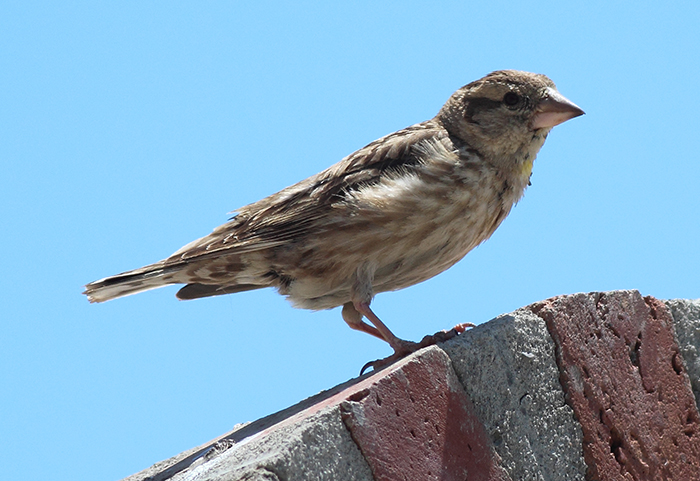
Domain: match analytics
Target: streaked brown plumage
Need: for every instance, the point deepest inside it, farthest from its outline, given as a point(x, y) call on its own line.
point(396, 212)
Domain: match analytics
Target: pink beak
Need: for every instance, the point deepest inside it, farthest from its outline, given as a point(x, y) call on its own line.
point(553, 110)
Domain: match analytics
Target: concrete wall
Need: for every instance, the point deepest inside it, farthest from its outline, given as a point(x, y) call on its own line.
point(600, 386)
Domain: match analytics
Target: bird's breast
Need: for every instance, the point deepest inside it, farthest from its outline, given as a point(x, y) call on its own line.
point(414, 226)
point(409, 227)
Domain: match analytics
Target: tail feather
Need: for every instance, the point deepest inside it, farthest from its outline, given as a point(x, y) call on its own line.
point(197, 291)
point(132, 282)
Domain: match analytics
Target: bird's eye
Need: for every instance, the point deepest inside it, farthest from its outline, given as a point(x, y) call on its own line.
point(511, 99)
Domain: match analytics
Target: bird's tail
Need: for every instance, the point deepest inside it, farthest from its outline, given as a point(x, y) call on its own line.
point(131, 282)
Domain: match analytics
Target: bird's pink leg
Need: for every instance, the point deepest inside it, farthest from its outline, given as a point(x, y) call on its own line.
point(401, 347)
point(354, 319)
point(398, 345)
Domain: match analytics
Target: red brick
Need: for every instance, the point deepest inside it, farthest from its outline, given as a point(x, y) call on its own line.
point(416, 423)
point(624, 378)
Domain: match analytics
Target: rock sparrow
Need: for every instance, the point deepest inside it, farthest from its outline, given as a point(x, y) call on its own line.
point(393, 214)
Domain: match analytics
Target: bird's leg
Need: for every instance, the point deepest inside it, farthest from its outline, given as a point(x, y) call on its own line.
point(353, 318)
point(361, 295)
point(353, 312)
point(400, 346)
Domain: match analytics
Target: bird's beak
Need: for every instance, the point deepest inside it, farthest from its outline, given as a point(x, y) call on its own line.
point(553, 110)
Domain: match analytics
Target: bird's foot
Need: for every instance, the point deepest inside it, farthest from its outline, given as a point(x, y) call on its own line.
point(442, 336)
point(404, 348)
point(379, 364)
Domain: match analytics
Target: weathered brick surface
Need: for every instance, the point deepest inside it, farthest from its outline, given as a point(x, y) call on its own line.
point(508, 369)
point(686, 323)
point(316, 447)
point(524, 397)
point(625, 380)
point(416, 423)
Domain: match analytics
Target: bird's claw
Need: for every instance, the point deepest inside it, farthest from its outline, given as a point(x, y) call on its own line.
point(442, 336)
point(382, 363)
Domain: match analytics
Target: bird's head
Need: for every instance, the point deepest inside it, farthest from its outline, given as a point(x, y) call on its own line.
point(506, 113)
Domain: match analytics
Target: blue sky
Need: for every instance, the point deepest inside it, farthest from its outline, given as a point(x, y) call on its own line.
point(129, 130)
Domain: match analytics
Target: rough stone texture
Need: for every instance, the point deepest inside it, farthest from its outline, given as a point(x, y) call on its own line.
point(310, 441)
point(686, 323)
point(496, 409)
point(165, 470)
point(416, 423)
point(507, 367)
point(626, 382)
point(317, 447)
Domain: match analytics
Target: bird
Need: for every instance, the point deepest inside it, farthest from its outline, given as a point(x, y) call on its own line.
point(395, 213)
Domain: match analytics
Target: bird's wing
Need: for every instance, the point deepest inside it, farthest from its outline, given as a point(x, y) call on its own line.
point(294, 210)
